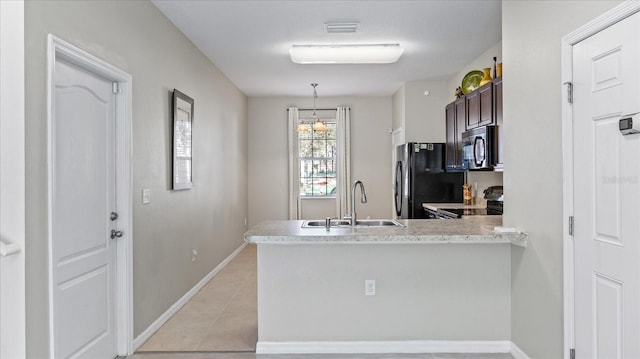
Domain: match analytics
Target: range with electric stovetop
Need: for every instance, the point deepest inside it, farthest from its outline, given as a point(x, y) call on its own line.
point(493, 195)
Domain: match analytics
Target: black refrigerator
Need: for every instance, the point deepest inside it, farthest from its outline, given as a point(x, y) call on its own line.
point(420, 177)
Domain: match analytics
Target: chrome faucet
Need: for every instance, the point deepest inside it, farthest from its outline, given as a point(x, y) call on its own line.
point(353, 218)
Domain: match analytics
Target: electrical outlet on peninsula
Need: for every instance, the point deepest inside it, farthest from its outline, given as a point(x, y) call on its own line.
point(370, 287)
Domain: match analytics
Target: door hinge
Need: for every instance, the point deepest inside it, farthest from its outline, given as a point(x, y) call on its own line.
point(115, 88)
point(572, 354)
point(569, 91)
point(571, 225)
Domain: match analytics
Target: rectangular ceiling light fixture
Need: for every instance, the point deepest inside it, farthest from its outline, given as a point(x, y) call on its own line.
point(346, 54)
point(341, 27)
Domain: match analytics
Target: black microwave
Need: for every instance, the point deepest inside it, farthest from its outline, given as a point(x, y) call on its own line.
point(479, 148)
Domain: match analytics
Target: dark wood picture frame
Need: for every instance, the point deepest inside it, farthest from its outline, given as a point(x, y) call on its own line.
point(182, 174)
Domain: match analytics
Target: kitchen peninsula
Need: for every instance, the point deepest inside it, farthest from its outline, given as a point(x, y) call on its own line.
point(426, 286)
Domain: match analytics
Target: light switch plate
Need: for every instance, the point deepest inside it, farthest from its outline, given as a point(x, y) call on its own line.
point(370, 287)
point(146, 196)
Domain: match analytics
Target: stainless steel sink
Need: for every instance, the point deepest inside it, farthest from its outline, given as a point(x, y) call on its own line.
point(359, 223)
point(321, 223)
point(377, 222)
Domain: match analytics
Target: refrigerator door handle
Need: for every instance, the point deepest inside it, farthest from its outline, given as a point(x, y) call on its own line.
point(398, 188)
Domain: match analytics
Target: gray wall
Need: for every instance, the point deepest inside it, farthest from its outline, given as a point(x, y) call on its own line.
point(531, 33)
point(424, 115)
point(268, 152)
point(399, 111)
point(423, 292)
point(136, 37)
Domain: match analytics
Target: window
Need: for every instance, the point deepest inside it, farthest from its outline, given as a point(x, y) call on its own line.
point(318, 163)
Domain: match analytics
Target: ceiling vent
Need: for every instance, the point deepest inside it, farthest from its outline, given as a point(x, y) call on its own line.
point(341, 27)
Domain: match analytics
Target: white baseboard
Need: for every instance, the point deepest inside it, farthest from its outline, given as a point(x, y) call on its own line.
point(517, 353)
point(385, 347)
point(147, 333)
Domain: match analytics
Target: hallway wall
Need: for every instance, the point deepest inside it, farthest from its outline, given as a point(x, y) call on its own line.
point(136, 37)
point(531, 33)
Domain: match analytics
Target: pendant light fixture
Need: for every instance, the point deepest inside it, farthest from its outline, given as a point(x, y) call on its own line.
point(302, 128)
point(317, 124)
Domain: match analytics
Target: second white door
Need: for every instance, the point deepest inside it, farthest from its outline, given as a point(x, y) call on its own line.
point(606, 74)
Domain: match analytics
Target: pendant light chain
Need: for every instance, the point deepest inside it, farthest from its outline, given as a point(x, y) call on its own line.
point(317, 125)
point(315, 96)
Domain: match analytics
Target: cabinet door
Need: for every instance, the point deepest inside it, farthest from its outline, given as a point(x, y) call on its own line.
point(486, 105)
point(461, 120)
point(451, 154)
point(473, 110)
point(497, 108)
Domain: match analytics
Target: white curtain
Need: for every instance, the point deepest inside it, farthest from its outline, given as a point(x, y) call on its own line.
point(294, 164)
point(343, 124)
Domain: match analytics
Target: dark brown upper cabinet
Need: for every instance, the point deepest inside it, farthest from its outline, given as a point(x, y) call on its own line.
point(480, 107)
point(497, 114)
point(473, 110)
point(455, 115)
point(486, 105)
point(451, 152)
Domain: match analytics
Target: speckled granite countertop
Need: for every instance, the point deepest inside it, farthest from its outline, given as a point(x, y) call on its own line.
point(472, 229)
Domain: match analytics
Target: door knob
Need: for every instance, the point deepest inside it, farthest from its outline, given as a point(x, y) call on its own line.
point(115, 234)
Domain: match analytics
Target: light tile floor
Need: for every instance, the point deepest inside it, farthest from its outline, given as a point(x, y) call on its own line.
point(221, 322)
point(221, 317)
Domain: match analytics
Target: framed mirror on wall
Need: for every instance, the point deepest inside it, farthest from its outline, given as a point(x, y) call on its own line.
point(182, 141)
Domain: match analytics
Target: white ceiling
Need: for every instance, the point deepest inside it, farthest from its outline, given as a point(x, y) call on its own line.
point(249, 41)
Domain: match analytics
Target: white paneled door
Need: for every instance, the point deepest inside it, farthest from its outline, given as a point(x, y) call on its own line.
point(606, 74)
point(83, 252)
